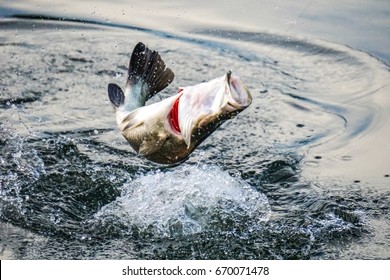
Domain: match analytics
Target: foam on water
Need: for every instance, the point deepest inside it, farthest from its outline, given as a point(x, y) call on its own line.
point(18, 164)
point(188, 200)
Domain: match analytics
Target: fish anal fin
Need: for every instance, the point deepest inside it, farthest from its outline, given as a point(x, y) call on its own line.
point(116, 95)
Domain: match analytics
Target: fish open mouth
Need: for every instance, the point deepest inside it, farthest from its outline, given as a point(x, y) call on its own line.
point(239, 96)
point(199, 110)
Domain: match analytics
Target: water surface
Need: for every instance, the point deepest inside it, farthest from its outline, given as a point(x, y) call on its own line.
point(303, 173)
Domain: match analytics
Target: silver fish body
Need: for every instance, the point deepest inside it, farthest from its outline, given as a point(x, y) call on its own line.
point(168, 131)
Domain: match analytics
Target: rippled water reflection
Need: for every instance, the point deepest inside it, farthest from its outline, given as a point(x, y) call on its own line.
point(291, 177)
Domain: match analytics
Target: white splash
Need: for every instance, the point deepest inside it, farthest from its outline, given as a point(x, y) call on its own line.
point(187, 200)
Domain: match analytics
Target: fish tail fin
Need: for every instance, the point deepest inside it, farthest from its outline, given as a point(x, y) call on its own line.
point(147, 74)
point(116, 95)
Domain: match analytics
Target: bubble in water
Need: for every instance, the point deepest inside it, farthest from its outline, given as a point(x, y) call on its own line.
point(188, 200)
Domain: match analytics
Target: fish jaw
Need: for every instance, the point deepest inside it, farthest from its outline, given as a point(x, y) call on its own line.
point(204, 107)
point(238, 95)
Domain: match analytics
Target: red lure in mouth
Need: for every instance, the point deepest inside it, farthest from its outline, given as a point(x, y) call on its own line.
point(174, 115)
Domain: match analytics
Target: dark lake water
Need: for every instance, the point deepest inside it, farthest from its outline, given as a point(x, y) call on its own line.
point(303, 173)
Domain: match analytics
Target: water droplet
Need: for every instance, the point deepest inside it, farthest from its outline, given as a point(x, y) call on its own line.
point(18, 154)
point(346, 158)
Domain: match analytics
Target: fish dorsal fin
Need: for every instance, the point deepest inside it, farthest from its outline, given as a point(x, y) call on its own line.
point(147, 74)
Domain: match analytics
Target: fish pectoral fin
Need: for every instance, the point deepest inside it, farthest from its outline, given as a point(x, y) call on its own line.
point(131, 126)
point(150, 146)
point(130, 121)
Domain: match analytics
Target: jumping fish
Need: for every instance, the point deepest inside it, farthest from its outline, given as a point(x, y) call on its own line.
point(168, 131)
